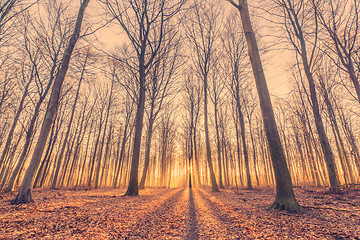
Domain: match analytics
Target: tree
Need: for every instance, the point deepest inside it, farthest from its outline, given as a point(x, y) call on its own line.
point(285, 197)
point(24, 195)
point(203, 32)
point(147, 25)
point(341, 20)
point(43, 53)
point(192, 103)
point(217, 96)
point(161, 90)
point(236, 69)
point(296, 23)
point(127, 126)
point(167, 133)
point(65, 140)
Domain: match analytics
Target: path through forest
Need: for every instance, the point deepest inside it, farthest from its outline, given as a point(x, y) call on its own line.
point(178, 214)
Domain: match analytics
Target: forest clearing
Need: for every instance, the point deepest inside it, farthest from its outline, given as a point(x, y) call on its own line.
point(179, 214)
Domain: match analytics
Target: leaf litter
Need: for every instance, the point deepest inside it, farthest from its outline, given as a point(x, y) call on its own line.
point(179, 214)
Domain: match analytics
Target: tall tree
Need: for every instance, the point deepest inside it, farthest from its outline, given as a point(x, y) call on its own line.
point(24, 195)
point(162, 89)
point(65, 140)
point(236, 69)
point(296, 17)
point(285, 197)
point(147, 25)
point(341, 20)
point(203, 33)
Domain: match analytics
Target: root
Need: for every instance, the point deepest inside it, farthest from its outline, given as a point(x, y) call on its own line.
point(292, 208)
point(22, 198)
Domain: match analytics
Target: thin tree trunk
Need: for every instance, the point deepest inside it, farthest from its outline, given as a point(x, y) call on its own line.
point(26, 147)
point(11, 156)
point(324, 141)
point(46, 159)
point(94, 155)
point(217, 128)
point(59, 160)
point(245, 151)
point(254, 154)
point(147, 151)
point(118, 173)
point(103, 138)
point(195, 157)
point(214, 185)
point(336, 131)
point(350, 138)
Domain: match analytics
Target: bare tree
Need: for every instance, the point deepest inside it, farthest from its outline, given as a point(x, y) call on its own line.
point(203, 33)
point(167, 133)
point(83, 70)
point(24, 195)
point(341, 20)
point(43, 53)
point(297, 19)
point(327, 79)
point(192, 104)
point(147, 25)
point(236, 69)
point(161, 90)
point(127, 126)
point(285, 197)
point(217, 97)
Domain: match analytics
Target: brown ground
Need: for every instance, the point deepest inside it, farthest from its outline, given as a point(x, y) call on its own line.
point(179, 214)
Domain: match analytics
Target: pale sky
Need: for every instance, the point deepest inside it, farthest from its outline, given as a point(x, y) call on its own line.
point(276, 63)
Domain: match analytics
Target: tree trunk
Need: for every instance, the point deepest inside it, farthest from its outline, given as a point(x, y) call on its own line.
point(147, 151)
point(214, 185)
point(285, 197)
point(103, 138)
point(21, 161)
point(94, 155)
point(254, 153)
point(46, 159)
point(350, 138)
point(243, 140)
point(133, 188)
point(120, 159)
point(338, 139)
point(238, 142)
point(217, 128)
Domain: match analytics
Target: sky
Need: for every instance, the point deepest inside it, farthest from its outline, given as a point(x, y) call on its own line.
point(276, 62)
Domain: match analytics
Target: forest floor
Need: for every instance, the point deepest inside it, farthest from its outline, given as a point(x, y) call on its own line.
point(179, 214)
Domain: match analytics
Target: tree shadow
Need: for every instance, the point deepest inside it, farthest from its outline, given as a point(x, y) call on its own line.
point(193, 224)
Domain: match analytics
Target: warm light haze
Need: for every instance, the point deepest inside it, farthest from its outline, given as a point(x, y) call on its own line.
point(179, 119)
